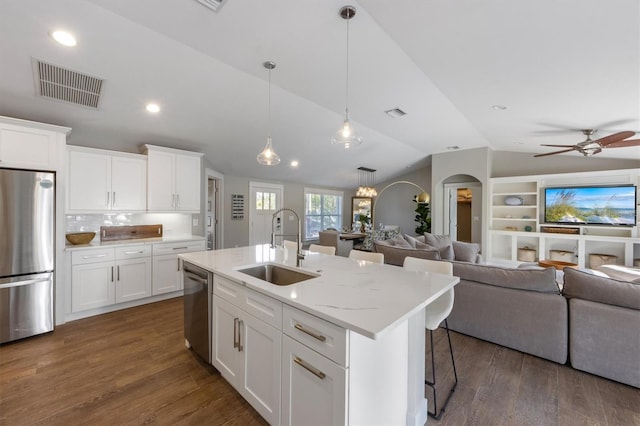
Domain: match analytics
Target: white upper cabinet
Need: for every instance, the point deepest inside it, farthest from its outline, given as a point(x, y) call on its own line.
point(31, 145)
point(173, 179)
point(101, 180)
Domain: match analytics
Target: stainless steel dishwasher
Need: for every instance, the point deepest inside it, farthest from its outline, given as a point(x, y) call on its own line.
point(198, 284)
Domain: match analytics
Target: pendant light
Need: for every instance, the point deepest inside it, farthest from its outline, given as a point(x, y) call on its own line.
point(366, 182)
point(346, 134)
point(268, 156)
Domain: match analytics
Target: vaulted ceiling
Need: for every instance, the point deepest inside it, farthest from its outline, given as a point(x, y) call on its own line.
point(557, 67)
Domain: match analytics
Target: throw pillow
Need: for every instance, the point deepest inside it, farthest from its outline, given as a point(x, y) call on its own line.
point(443, 243)
point(398, 241)
point(466, 252)
point(414, 240)
point(423, 246)
point(622, 273)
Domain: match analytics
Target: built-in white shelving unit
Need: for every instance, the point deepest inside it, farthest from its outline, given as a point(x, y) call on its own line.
point(517, 220)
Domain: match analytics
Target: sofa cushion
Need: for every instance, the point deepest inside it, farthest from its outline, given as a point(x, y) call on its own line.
point(425, 246)
point(539, 280)
point(414, 240)
point(466, 252)
point(443, 243)
point(394, 255)
point(582, 284)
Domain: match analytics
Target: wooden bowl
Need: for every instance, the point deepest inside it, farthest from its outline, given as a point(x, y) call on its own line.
point(80, 237)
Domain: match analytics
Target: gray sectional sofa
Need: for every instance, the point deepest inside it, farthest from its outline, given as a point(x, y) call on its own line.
point(518, 308)
point(594, 323)
point(604, 325)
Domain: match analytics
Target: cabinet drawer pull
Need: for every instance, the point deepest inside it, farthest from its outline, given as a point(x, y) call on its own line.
point(134, 252)
point(114, 199)
point(319, 374)
point(309, 332)
point(118, 274)
point(235, 332)
point(95, 256)
point(112, 274)
point(240, 326)
point(107, 203)
point(180, 248)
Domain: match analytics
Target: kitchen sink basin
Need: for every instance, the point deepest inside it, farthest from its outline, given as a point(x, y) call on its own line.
point(276, 274)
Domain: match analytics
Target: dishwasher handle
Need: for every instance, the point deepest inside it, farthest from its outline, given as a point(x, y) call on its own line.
point(195, 277)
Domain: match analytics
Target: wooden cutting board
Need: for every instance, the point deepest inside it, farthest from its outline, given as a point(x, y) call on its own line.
point(130, 232)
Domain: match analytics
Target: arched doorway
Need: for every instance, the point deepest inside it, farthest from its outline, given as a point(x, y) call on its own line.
point(463, 208)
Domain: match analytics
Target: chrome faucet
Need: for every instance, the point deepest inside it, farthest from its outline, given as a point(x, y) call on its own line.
point(299, 254)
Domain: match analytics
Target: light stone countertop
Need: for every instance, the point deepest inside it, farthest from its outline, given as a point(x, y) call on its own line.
point(365, 297)
point(96, 243)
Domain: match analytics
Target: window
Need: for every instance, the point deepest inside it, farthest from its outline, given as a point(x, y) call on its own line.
point(265, 200)
point(322, 210)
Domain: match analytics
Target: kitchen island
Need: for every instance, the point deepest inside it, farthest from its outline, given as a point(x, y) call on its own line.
point(344, 347)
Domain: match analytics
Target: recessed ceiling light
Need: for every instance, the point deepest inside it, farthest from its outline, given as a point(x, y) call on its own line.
point(499, 107)
point(294, 163)
point(154, 108)
point(65, 38)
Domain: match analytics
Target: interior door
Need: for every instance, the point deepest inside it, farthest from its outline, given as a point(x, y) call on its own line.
point(266, 199)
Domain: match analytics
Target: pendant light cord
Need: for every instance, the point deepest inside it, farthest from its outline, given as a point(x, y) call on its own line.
point(269, 112)
point(346, 109)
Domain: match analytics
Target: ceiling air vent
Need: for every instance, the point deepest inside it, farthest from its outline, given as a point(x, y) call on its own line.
point(395, 112)
point(66, 85)
point(212, 4)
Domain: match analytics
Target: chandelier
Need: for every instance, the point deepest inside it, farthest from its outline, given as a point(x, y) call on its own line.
point(366, 182)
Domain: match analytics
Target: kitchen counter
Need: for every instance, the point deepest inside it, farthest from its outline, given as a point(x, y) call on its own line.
point(166, 239)
point(364, 297)
point(345, 347)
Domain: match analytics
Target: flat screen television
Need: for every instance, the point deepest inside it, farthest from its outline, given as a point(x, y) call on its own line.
point(591, 205)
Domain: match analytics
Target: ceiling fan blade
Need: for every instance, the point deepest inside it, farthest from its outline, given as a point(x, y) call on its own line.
point(616, 137)
point(624, 144)
point(553, 153)
point(561, 146)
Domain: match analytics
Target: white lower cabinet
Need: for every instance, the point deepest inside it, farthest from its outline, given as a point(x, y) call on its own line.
point(247, 352)
point(102, 277)
point(263, 349)
point(133, 272)
point(93, 286)
point(167, 268)
point(314, 388)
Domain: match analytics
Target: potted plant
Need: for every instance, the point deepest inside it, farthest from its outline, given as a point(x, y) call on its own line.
point(364, 220)
point(423, 217)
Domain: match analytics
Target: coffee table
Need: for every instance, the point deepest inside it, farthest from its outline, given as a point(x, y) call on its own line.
point(558, 264)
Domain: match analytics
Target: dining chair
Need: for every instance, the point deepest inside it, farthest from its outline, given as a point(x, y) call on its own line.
point(288, 244)
point(323, 249)
point(366, 255)
point(435, 313)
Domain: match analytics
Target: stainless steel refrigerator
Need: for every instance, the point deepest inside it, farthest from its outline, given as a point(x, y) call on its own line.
point(27, 230)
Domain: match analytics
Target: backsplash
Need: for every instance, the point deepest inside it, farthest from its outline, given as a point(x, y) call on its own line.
point(173, 224)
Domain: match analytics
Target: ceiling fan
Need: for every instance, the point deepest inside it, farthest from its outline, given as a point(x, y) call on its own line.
point(590, 147)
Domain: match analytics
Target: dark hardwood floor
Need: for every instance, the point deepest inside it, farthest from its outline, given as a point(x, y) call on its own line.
point(131, 367)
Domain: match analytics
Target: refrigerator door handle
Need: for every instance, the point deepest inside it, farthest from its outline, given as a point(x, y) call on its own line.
point(27, 282)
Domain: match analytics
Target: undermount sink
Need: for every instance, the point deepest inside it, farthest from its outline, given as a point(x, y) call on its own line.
point(276, 274)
